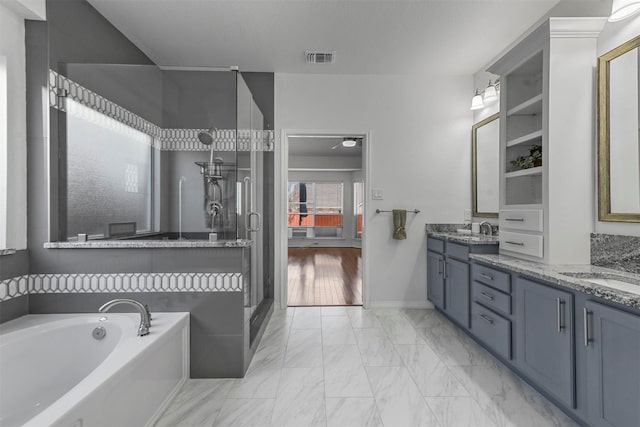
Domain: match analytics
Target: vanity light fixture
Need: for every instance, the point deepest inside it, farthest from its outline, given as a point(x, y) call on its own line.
point(488, 96)
point(477, 102)
point(621, 9)
point(349, 142)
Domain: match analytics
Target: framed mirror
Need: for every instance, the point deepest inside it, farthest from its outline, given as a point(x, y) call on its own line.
point(619, 133)
point(485, 146)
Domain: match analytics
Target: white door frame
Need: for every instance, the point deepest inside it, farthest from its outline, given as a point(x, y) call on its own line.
point(280, 207)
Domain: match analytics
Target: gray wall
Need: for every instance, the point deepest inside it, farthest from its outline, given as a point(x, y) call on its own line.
point(11, 266)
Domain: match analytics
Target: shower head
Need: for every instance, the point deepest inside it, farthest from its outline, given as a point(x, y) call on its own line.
point(207, 136)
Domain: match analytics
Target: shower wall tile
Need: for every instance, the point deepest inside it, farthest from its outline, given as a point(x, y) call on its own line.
point(14, 300)
point(216, 356)
point(14, 308)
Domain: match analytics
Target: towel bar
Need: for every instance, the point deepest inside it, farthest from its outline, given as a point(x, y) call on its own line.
point(415, 211)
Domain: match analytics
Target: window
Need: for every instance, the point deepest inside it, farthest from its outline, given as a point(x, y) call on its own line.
point(109, 173)
point(315, 209)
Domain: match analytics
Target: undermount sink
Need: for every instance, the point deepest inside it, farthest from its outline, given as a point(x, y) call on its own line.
point(609, 280)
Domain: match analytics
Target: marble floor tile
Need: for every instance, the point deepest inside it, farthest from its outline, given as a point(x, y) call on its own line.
point(513, 411)
point(458, 412)
point(306, 318)
point(427, 318)
point(267, 356)
point(333, 311)
point(257, 383)
point(399, 329)
point(300, 400)
point(304, 349)
point(245, 413)
point(276, 336)
point(398, 399)
point(361, 318)
point(352, 412)
point(337, 330)
point(376, 349)
point(197, 403)
point(430, 374)
point(455, 349)
point(344, 374)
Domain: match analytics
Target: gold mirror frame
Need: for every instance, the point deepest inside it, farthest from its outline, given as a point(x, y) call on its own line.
point(474, 167)
point(604, 166)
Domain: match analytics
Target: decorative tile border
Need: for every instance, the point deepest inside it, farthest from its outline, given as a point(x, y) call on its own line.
point(61, 88)
point(119, 282)
point(14, 287)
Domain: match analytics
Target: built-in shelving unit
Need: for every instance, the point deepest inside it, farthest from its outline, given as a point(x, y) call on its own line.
point(546, 103)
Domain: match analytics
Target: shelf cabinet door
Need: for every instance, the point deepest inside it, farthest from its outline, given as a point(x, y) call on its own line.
point(613, 366)
point(457, 291)
point(435, 279)
point(544, 338)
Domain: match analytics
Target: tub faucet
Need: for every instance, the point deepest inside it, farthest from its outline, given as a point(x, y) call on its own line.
point(489, 229)
point(145, 317)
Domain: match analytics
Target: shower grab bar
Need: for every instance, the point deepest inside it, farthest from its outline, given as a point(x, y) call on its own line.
point(415, 211)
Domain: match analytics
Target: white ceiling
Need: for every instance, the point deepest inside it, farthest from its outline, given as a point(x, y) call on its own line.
point(369, 36)
point(322, 147)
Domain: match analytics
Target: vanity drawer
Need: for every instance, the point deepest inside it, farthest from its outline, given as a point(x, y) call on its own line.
point(525, 219)
point(457, 251)
point(435, 245)
point(492, 329)
point(491, 298)
point(522, 243)
point(494, 278)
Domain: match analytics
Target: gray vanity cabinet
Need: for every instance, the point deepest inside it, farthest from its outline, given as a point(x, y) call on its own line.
point(612, 341)
point(544, 338)
point(457, 295)
point(435, 279)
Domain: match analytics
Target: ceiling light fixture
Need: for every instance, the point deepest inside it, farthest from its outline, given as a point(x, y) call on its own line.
point(349, 142)
point(621, 9)
point(476, 101)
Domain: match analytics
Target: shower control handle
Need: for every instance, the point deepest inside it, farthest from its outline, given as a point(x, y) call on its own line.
point(257, 215)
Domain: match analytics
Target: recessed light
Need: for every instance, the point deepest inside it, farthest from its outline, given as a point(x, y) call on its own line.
point(349, 143)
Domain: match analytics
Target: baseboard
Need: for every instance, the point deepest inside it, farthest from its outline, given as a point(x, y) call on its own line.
point(400, 304)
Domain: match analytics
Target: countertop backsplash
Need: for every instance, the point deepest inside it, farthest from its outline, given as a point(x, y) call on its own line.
point(616, 252)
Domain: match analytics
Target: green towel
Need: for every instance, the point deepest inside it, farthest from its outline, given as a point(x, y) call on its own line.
point(399, 222)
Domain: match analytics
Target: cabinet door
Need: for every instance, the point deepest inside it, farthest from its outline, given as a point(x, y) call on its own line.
point(435, 279)
point(613, 366)
point(544, 345)
point(457, 291)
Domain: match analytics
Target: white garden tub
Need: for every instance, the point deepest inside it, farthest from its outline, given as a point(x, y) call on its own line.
point(53, 372)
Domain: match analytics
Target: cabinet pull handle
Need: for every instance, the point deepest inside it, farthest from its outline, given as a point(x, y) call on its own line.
point(486, 319)
point(514, 219)
point(487, 296)
point(514, 243)
point(444, 269)
point(585, 318)
point(560, 314)
point(485, 276)
point(439, 266)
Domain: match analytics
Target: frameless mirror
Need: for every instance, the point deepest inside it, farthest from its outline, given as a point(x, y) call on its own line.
point(485, 145)
point(618, 133)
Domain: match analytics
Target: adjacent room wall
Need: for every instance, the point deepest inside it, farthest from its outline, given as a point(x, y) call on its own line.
point(613, 35)
point(420, 158)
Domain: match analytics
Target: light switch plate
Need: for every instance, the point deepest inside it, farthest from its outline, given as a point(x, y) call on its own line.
point(467, 214)
point(376, 194)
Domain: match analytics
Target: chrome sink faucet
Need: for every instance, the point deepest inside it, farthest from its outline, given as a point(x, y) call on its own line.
point(489, 228)
point(145, 316)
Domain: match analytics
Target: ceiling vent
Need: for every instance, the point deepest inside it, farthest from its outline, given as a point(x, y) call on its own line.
point(318, 57)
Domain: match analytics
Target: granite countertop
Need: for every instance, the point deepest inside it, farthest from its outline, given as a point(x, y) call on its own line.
point(7, 252)
point(577, 280)
point(143, 244)
point(469, 239)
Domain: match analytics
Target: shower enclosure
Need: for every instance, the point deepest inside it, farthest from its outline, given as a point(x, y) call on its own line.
point(148, 153)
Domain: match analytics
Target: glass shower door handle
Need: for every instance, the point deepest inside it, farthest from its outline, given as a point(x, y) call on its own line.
point(248, 197)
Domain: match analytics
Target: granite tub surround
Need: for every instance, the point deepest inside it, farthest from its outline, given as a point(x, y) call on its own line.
point(7, 252)
point(616, 252)
point(572, 276)
point(149, 244)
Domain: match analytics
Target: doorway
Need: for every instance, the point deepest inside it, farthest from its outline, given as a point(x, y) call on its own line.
point(324, 219)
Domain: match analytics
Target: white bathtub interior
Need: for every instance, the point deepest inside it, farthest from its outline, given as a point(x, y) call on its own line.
point(53, 372)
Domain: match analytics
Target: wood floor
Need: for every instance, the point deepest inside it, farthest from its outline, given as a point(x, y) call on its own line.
point(325, 276)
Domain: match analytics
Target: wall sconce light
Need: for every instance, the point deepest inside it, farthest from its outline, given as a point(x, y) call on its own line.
point(488, 96)
point(621, 9)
